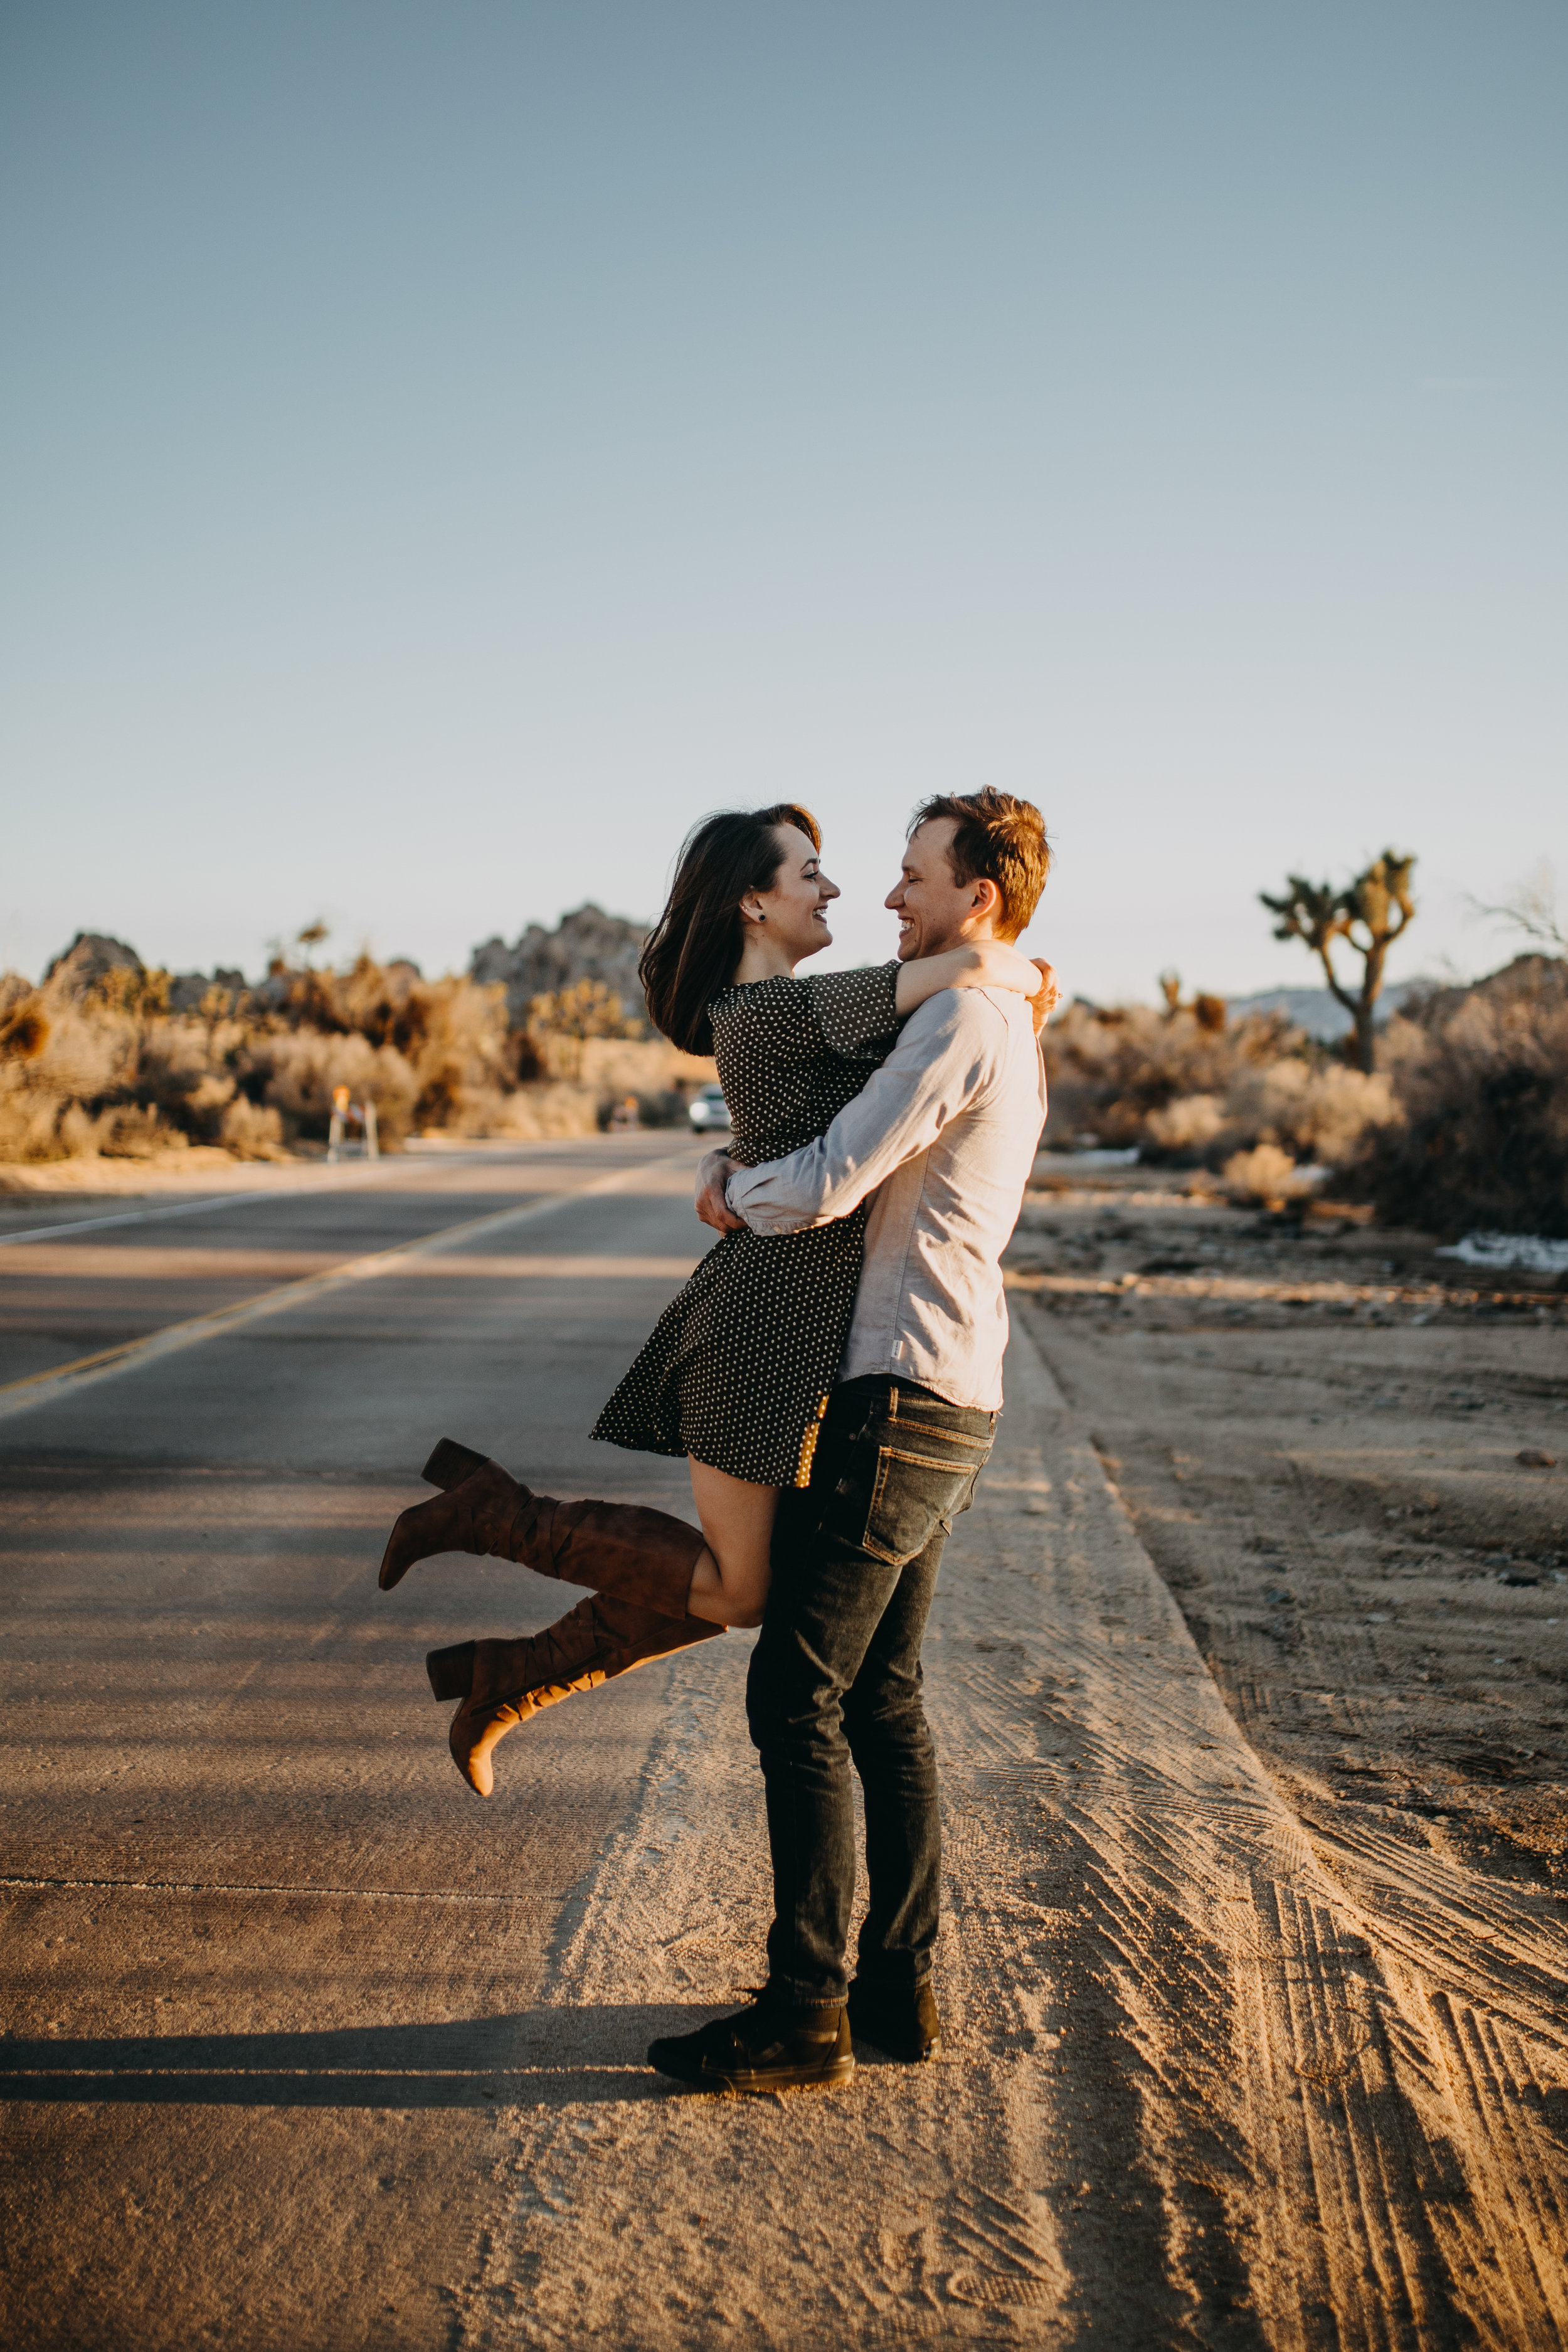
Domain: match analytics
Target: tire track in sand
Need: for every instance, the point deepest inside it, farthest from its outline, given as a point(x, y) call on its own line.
point(1191, 2095)
point(1390, 2085)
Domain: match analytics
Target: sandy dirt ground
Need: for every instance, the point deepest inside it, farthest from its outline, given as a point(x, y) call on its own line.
point(1203, 2087)
point(1252, 1751)
point(1324, 1437)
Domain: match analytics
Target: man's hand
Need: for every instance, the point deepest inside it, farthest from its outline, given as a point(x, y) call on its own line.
point(1049, 995)
point(714, 1170)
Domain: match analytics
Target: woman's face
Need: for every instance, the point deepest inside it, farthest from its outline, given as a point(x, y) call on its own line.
point(794, 910)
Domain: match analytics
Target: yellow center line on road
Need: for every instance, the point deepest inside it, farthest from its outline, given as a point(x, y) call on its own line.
point(40, 1388)
point(113, 1262)
point(320, 1182)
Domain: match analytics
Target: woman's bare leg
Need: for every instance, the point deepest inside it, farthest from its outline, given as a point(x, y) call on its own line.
point(729, 1583)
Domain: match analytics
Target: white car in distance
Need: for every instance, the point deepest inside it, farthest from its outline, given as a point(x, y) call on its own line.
point(708, 1109)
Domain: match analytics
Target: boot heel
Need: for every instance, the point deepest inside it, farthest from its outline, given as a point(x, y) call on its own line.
point(451, 1672)
point(450, 1464)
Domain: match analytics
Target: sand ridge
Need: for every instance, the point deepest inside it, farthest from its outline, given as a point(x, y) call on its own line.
point(1200, 2083)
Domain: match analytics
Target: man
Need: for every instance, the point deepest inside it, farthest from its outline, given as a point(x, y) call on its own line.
point(944, 1135)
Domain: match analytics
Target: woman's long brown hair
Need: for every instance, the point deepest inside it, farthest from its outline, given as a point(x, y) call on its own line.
point(694, 947)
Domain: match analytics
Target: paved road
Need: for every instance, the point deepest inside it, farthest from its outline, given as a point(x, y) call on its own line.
point(305, 2048)
point(233, 1839)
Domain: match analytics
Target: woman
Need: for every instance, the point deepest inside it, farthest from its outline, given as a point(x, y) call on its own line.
point(736, 1373)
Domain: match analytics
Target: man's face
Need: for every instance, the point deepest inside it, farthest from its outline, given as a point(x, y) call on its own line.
point(934, 911)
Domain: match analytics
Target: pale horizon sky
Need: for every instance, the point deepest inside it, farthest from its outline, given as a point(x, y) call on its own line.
point(448, 451)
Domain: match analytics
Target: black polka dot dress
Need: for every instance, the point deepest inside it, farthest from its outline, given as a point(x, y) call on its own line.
point(739, 1367)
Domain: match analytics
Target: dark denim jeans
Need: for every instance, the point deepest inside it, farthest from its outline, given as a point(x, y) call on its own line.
point(836, 1677)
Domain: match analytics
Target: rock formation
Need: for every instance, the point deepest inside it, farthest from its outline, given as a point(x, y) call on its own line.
point(90, 959)
point(586, 944)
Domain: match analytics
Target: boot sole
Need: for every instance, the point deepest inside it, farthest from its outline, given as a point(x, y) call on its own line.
point(451, 1672)
point(832, 2077)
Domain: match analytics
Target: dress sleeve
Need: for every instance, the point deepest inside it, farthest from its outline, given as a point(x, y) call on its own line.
point(855, 1012)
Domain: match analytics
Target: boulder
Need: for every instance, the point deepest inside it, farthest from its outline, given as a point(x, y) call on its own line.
point(586, 944)
point(188, 990)
point(90, 959)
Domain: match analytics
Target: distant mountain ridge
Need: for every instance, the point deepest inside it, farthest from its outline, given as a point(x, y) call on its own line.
point(1318, 1011)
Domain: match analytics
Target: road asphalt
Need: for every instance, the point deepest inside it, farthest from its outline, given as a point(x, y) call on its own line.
point(258, 1930)
point(307, 2047)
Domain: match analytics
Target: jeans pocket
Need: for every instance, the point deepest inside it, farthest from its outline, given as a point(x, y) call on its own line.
point(912, 1496)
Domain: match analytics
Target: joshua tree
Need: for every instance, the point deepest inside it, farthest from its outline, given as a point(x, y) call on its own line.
point(313, 935)
point(1378, 904)
point(1208, 1011)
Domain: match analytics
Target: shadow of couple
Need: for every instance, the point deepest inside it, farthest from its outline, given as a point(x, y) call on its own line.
point(544, 2056)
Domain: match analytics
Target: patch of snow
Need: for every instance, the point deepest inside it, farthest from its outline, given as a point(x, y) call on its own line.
point(1128, 1158)
point(1528, 1250)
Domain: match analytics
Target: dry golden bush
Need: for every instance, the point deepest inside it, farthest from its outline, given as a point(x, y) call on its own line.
point(1265, 1175)
point(96, 1061)
point(1188, 1087)
point(562, 1022)
point(1463, 1126)
point(73, 1076)
point(1481, 1078)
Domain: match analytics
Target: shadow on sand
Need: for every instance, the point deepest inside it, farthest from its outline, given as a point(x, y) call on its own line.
point(544, 2056)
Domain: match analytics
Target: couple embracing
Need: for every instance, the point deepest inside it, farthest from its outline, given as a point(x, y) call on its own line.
point(833, 1373)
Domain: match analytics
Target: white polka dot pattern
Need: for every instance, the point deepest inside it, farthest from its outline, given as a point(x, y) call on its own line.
point(739, 1367)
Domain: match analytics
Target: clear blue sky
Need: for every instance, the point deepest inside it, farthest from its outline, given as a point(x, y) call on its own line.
point(450, 448)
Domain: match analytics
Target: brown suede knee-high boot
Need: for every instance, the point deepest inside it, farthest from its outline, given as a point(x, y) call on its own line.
point(638, 1554)
point(501, 1683)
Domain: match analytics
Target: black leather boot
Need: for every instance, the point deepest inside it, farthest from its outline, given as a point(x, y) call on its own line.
point(904, 2025)
point(771, 2046)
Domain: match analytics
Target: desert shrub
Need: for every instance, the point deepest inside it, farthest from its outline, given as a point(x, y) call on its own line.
point(96, 1061)
point(1463, 1125)
point(294, 1071)
point(1317, 1107)
point(1480, 1075)
point(69, 1071)
point(1265, 1175)
point(562, 1022)
point(1190, 1089)
point(549, 1110)
point(1186, 1129)
point(251, 1130)
point(109, 1056)
point(1112, 1068)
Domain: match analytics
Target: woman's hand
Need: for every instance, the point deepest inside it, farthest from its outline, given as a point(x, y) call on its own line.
point(1047, 996)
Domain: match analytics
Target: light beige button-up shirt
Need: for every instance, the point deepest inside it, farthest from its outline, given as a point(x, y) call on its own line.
point(944, 1134)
